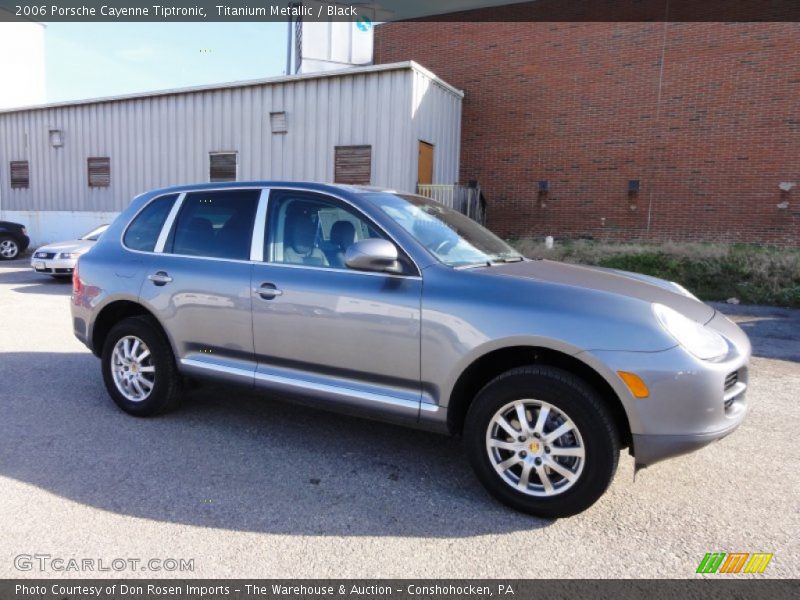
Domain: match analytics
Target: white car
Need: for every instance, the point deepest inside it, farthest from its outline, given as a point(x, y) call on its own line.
point(59, 259)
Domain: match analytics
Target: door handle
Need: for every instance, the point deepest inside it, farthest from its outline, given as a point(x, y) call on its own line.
point(268, 291)
point(159, 278)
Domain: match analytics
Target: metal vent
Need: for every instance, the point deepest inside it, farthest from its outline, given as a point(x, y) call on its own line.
point(99, 169)
point(277, 122)
point(222, 166)
point(352, 164)
point(20, 174)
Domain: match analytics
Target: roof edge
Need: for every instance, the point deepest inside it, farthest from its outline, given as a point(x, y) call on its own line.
point(397, 66)
point(434, 77)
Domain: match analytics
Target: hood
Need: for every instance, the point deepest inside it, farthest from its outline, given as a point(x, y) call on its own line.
point(632, 285)
point(68, 246)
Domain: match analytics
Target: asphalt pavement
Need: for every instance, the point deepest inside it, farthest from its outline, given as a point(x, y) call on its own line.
point(246, 486)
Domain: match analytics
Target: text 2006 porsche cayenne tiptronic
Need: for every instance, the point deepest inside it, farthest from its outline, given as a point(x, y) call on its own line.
point(392, 306)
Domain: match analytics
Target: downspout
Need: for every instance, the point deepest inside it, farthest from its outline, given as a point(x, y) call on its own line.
point(289, 45)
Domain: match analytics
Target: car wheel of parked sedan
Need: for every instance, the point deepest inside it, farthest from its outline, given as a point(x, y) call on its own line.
point(139, 368)
point(542, 441)
point(9, 248)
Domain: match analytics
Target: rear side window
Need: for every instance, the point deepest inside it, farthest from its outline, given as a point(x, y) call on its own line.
point(216, 224)
point(143, 231)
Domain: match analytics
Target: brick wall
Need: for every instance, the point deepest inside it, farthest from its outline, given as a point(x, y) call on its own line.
point(705, 115)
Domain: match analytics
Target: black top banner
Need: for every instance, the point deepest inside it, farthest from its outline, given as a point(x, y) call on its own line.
point(367, 12)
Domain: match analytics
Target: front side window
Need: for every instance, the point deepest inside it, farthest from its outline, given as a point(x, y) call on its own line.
point(143, 231)
point(452, 237)
point(312, 229)
point(216, 224)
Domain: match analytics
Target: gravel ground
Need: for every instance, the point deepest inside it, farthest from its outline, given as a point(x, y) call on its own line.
point(249, 487)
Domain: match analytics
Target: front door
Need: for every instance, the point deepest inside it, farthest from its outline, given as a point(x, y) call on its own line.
point(425, 166)
point(325, 333)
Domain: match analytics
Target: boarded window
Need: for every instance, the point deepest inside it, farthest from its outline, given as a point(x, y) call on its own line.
point(222, 166)
point(99, 168)
point(20, 174)
point(352, 164)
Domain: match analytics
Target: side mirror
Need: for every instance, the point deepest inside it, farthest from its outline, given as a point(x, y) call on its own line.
point(373, 255)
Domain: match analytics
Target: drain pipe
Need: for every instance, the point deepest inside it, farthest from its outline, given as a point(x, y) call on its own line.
point(289, 45)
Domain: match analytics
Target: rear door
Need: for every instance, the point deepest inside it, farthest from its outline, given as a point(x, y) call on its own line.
point(327, 333)
point(197, 281)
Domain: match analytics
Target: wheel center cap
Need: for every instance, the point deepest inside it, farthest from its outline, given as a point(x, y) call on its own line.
point(535, 447)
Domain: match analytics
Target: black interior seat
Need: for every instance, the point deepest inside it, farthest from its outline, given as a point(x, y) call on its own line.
point(343, 235)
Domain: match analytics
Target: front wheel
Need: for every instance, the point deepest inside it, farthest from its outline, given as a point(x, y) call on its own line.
point(139, 368)
point(9, 248)
point(542, 441)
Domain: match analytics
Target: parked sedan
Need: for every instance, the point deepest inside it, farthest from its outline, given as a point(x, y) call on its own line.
point(59, 259)
point(392, 306)
point(14, 240)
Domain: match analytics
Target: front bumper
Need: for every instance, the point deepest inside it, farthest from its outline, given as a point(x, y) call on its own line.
point(650, 449)
point(53, 266)
point(692, 402)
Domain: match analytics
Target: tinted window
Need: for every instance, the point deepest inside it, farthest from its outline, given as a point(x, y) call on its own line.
point(312, 229)
point(215, 224)
point(142, 233)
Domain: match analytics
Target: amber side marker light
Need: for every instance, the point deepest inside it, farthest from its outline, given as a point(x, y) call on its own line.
point(635, 384)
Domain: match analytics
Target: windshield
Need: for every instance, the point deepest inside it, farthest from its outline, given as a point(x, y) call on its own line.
point(94, 234)
point(450, 236)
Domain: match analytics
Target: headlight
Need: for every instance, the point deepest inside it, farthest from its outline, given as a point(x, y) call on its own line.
point(69, 255)
point(696, 338)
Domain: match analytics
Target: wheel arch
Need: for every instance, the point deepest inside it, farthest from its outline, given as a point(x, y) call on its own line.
point(111, 314)
point(496, 362)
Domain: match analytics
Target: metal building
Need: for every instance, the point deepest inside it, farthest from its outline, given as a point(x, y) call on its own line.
point(68, 167)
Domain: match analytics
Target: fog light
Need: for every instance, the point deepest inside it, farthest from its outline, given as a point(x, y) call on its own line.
point(635, 384)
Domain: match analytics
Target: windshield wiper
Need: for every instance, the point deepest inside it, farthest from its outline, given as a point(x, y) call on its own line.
point(508, 259)
point(474, 265)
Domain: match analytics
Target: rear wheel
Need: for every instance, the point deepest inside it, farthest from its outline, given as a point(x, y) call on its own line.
point(139, 368)
point(9, 248)
point(542, 441)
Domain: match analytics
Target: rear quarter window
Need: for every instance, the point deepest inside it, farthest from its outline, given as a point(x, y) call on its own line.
point(143, 231)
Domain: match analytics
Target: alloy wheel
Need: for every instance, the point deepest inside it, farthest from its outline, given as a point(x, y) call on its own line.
point(9, 249)
point(132, 368)
point(535, 447)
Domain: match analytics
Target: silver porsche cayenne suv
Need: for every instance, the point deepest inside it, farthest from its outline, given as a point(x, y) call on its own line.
point(391, 306)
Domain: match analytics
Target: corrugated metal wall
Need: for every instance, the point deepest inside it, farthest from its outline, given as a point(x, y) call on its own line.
point(161, 140)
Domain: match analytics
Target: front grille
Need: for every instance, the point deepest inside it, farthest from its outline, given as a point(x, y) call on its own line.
point(44, 255)
point(731, 380)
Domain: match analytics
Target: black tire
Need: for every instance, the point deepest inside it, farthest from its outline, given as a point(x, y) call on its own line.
point(10, 246)
point(584, 407)
point(165, 394)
